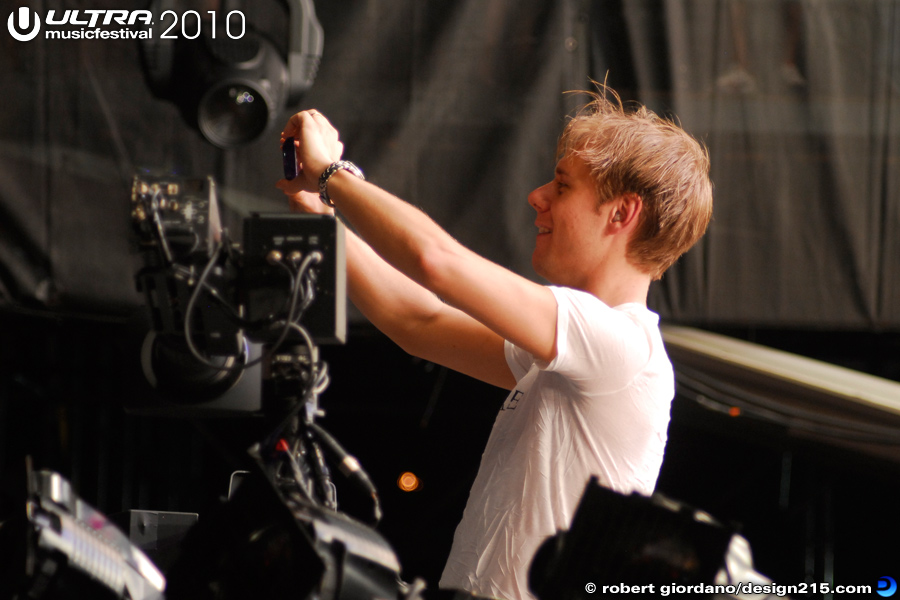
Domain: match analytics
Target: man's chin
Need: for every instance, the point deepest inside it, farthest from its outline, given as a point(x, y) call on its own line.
point(539, 267)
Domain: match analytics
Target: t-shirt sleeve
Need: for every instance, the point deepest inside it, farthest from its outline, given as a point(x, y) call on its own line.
point(599, 349)
point(519, 360)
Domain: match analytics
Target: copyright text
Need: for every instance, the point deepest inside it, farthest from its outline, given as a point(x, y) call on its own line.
point(734, 589)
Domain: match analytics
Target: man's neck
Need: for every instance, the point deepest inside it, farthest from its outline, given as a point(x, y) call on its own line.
point(619, 286)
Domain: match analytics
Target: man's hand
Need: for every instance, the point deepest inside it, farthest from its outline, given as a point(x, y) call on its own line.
point(317, 145)
point(304, 202)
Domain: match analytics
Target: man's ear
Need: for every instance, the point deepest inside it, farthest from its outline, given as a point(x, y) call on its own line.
point(625, 210)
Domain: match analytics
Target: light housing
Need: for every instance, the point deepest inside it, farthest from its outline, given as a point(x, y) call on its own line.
point(232, 90)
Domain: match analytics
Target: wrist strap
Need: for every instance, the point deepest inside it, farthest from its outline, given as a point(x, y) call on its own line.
point(331, 170)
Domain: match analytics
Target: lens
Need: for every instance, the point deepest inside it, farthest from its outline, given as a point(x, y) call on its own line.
point(233, 113)
point(170, 368)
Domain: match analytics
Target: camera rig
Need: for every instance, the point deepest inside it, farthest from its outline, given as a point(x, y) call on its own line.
point(224, 309)
point(200, 284)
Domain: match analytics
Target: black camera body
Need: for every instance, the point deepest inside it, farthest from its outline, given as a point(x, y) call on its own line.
point(238, 290)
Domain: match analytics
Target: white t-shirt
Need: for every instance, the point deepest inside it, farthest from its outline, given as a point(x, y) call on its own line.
point(601, 407)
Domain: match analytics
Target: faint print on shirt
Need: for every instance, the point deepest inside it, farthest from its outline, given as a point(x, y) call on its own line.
point(513, 400)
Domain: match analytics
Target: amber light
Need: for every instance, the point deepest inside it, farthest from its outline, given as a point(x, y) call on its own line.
point(408, 482)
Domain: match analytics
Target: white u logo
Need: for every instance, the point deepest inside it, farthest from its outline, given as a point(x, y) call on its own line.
point(24, 21)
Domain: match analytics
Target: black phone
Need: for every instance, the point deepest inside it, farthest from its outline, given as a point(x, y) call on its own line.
point(289, 158)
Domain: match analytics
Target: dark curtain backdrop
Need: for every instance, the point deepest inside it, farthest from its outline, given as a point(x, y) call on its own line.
point(806, 225)
point(457, 105)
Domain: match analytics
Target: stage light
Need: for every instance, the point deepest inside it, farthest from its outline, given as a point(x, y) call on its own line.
point(246, 97)
point(619, 540)
point(408, 482)
point(230, 82)
point(269, 541)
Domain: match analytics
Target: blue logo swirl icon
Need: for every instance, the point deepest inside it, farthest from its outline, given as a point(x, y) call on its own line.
point(886, 587)
point(24, 22)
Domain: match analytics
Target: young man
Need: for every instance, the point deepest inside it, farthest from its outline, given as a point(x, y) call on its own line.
point(590, 381)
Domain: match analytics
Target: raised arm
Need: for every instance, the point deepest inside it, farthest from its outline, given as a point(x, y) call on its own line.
point(411, 316)
point(502, 304)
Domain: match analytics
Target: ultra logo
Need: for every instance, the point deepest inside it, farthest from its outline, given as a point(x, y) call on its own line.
point(24, 23)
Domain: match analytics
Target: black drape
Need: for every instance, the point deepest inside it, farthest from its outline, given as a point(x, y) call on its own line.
point(457, 105)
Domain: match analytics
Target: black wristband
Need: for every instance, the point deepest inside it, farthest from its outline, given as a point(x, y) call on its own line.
point(331, 170)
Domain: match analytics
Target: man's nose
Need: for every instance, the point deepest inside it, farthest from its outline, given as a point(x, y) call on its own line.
point(538, 198)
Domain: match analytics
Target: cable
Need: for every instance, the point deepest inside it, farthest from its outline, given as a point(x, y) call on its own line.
point(299, 477)
point(318, 381)
point(270, 318)
point(302, 286)
point(180, 271)
point(293, 315)
point(188, 313)
point(304, 274)
point(160, 230)
point(351, 468)
point(291, 324)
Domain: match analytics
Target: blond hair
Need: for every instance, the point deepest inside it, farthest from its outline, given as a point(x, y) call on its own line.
point(637, 152)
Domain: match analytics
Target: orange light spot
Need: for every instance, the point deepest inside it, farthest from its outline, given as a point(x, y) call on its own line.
point(734, 411)
point(408, 482)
